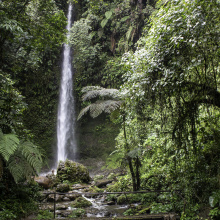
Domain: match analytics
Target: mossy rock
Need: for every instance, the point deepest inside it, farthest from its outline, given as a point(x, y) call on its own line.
point(77, 213)
point(122, 200)
point(63, 187)
point(73, 172)
point(81, 203)
point(98, 177)
point(53, 180)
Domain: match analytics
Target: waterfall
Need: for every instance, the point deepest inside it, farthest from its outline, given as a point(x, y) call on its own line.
point(66, 141)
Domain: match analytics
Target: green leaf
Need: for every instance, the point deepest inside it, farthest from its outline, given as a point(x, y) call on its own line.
point(125, 18)
point(108, 14)
point(134, 153)
point(104, 22)
point(212, 201)
point(100, 32)
point(128, 34)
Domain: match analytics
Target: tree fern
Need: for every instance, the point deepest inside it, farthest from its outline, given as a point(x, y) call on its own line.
point(100, 106)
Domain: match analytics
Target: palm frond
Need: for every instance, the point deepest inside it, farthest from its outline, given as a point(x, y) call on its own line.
point(8, 144)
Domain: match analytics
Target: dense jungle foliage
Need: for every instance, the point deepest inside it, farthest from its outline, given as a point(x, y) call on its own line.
point(166, 67)
point(31, 35)
point(153, 65)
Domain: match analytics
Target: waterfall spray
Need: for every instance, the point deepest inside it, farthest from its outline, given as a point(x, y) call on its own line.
point(66, 141)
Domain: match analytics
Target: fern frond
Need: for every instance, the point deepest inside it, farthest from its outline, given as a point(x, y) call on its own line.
point(83, 112)
point(8, 144)
point(100, 106)
point(25, 162)
point(111, 105)
point(96, 109)
point(32, 155)
point(19, 167)
point(90, 88)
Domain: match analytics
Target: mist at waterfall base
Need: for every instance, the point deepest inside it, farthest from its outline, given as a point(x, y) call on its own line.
point(66, 119)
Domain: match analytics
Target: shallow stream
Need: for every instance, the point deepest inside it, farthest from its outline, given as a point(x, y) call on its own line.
point(99, 208)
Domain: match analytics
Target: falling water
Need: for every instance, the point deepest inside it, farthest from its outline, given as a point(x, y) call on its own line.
point(66, 141)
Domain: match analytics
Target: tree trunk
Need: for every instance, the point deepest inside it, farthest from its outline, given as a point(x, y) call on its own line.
point(129, 159)
point(132, 174)
point(137, 163)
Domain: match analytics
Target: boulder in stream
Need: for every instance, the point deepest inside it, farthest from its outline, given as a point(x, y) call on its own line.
point(72, 196)
point(43, 181)
point(102, 183)
point(73, 172)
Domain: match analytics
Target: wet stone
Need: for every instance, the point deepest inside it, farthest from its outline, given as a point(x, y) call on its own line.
point(79, 186)
point(58, 212)
point(73, 196)
point(50, 198)
point(47, 207)
point(61, 207)
point(107, 214)
point(111, 203)
point(65, 213)
point(65, 199)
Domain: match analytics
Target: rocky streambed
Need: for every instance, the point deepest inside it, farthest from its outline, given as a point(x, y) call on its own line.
point(87, 199)
point(72, 193)
point(79, 203)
